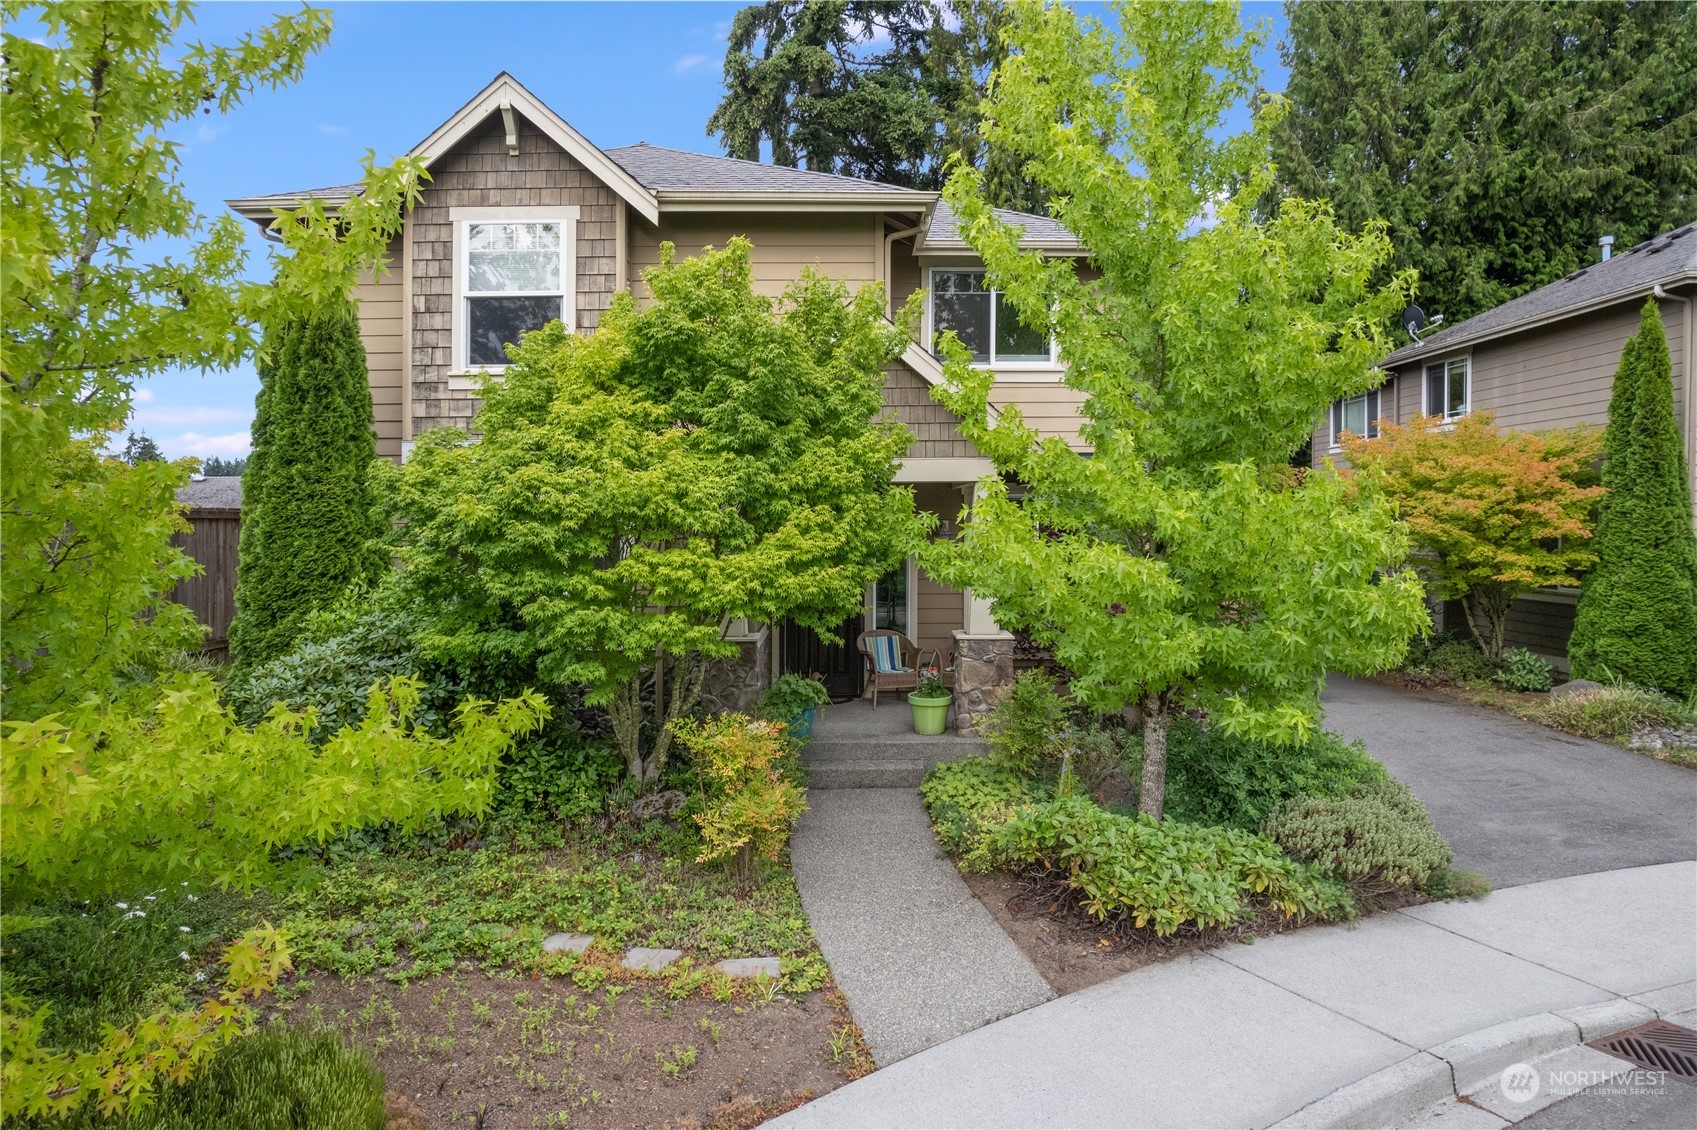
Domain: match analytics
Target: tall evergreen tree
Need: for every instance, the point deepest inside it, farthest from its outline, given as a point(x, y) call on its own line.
point(307, 524)
point(888, 90)
point(1637, 614)
point(1499, 141)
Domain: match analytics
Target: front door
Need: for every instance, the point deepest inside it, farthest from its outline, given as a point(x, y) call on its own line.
point(839, 664)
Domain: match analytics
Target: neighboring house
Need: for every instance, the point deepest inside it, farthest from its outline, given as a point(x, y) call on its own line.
point(524, 220)
point(214, 510)
point(1544, 360)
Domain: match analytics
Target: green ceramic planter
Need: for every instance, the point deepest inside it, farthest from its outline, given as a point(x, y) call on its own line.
point(930, 715)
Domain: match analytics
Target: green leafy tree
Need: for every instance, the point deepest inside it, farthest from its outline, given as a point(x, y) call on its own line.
point(141, 449)
point(1637, 617)
point(308, 531)
point(89, 306)
point(1182, 564)
point(1498, 141)
point(713, 457)
point(1493, 514)
point(887, 90)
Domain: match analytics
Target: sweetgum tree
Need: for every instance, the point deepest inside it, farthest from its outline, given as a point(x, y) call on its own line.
point(1178, 565)
point(1493, 514)
point(712, 457)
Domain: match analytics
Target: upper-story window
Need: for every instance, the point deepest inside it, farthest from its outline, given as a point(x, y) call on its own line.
point(512, 274)
point(1358, 415)
point(985, 321)
point(1446, 389)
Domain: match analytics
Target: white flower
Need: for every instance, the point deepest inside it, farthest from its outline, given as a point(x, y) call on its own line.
point(185, 956)
point(123, 906)
point(200, 976)
point(185, 882)
point(135, 914)
point(183, 930)
point(149, 898)
point(193, 899)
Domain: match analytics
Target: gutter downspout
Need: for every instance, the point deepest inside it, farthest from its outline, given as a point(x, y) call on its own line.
point(889, 267)
point(1690, 401)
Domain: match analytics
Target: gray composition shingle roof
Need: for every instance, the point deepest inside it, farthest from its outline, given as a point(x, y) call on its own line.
point(216, 492)
point(659, 169)
point(1039, 230)
point(1662, 259)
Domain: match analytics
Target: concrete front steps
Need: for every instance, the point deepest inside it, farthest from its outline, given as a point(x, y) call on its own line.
point(855, 747)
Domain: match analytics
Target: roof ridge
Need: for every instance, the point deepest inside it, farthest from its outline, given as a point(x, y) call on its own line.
point(752, 164)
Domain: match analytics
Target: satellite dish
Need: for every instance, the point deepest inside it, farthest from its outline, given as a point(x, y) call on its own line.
point(1413, 320)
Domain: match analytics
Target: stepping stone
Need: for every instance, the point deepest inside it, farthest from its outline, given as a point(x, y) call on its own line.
point(751, 967)
point(566, 943)
point(645, 960)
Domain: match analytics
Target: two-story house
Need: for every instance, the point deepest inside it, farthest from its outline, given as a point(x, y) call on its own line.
point(524, 220)
point(1544, 360)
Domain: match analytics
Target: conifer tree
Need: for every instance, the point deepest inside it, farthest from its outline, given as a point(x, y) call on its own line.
point(307, 525)
point(1637, 616)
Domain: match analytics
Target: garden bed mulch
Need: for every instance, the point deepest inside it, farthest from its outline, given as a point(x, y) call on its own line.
point(494, 1050)
point(1073, 951)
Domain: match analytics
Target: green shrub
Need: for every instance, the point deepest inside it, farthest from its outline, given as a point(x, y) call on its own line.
point(1378, 838)
point(1460, 660)
point(1163, 875)
point(1023, 727)
point(334, 674)
point(558, 775)
point(747, 803)
point(1611, 714)
point(1090, 753)
point(276, 1079)
point(1523, 670)
point(1215, 778)
point(790, 695)
point(968, 800)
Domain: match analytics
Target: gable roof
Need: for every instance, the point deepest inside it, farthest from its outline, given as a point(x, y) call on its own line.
point(676, 174)
point(212, 492)
point(1660, 260)
point(942, 234)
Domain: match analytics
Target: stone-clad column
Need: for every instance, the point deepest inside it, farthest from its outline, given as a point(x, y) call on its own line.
point(983, 677)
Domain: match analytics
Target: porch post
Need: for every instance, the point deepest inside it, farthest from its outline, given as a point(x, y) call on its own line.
point(983, 656)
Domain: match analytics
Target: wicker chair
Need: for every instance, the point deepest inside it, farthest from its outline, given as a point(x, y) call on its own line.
point(906, 678)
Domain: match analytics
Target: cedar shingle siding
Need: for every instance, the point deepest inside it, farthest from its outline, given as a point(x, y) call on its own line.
point(479, 173)
point(935, 435)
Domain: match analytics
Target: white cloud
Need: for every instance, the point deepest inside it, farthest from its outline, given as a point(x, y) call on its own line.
point(143, 396)
point(207, 132)
point(688, 63)
point(181, 417)
point(194, 443)
point(333, 131)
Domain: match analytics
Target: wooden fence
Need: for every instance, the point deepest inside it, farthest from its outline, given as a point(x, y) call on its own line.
point(213, 541)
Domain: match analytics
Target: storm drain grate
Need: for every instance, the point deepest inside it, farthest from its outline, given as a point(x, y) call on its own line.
point(1656, 1046)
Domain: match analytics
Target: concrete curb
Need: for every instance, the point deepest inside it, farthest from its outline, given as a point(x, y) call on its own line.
point(1396, 1094)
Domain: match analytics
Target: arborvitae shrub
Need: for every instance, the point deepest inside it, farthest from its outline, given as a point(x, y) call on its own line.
point(1637, 616)
point(307, 524)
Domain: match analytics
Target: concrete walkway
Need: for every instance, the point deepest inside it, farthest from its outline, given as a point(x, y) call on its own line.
point(919, 958)
point(1250, 1035)
point(1521, 803)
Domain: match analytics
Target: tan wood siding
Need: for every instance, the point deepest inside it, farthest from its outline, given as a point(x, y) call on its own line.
point(941, 609)
point(936, 433)
point(381, 322)
point(479, 173)
point(843, 247)
point(1052, 409)
point(905, 273)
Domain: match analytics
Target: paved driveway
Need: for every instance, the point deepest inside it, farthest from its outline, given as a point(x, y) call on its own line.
point(1518, 802)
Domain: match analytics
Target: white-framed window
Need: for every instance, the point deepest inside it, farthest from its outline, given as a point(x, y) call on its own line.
point(1447, 392)
point(985, 321)
point(1357, 415)
point(513, 272)
point(893, 601)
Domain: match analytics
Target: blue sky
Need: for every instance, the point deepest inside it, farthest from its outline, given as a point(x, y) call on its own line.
point(393, 72)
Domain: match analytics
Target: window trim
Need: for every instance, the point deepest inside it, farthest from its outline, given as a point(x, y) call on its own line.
point(1442, 415)
point(911, 609)
point(1045, 368)
point(461, 219)
point(1374, 407)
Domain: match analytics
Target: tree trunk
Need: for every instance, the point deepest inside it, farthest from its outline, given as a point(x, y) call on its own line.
point(1152, 791)
point(1491, 603)
point(626, 712)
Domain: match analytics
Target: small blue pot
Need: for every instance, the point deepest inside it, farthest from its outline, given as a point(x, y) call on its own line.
point(801, 726)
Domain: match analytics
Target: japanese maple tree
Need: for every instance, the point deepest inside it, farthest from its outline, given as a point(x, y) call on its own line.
point(1491, 513)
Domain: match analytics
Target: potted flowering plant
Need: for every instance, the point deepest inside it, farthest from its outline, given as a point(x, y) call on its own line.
point(930, 704)
point(792, 700)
